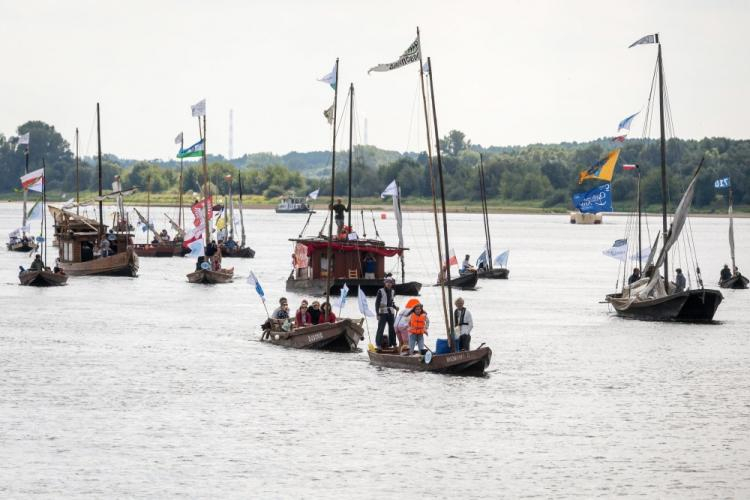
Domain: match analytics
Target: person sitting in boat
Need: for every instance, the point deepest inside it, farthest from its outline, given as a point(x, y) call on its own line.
point(199, 263)
point(369, 266)
point(464, 325)
point(155, 241)
point(326, 315)
point(679, 281)
point(418, 325)
point(635, 276)
point(211, 249)
point(302, 318)
point(112, 238)
point(466, 266)
point(37, 264)
point(104, 250)
point(231, 245)
point(281, 312)
point(315, 312)
point(57, 269)
point(216, 261)
point(164, 235)
point(726, 273)
point(25, 240)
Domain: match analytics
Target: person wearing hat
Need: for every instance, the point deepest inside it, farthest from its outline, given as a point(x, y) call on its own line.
point(386, 311)
point(463, 324)
point(679, 281)
point(418, 325)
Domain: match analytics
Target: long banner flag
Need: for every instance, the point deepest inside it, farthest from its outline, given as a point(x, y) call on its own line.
point(410, 55)
point(594, 200)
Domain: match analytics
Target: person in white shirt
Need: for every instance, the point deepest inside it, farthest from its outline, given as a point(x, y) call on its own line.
point(466, 266)
point(463, 325)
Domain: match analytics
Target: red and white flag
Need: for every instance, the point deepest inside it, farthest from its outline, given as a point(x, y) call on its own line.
point(33, 180)
point(629, 167)
point(197, 209)
point(453, 260)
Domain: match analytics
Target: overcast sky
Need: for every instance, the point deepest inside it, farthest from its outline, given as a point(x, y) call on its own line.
point(506, 72)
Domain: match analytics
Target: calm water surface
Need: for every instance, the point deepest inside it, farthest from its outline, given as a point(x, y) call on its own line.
point(154, 388)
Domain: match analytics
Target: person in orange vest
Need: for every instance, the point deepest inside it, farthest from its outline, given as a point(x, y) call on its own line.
point(418, 325)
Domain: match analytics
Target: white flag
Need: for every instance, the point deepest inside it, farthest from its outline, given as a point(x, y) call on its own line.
point(391, 190)
point(36, 212)
point(23, 139)
point(178, 139)
point(502, 259)
point(253, 281)
point(199, 108)
point(411, 54)
point(314, 194)
point(330, 78)
point(363, 308)
point(342, 297)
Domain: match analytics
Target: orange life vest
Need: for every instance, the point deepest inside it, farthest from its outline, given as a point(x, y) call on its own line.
point(418, 324)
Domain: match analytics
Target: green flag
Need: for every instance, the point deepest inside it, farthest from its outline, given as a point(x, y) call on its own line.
point(192, 151)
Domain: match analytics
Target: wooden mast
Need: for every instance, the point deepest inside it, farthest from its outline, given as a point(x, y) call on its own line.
point(485, 217)
point(640, 246)
point(351, 128)
point(242, 220)
point(665, 236)
point(78, 178)
point(442, 203)
point(25, 190)
point(148, 207)
point(181, 222)
point(44, 211)
point(401, 216)
point(333, 189)
point(731, 231)
point(99, 163)
point(432, 177)
point(205, 180)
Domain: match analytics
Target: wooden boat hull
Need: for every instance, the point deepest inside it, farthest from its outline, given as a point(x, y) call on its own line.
point(22, 247)
point(579, 218)
point(466, 281)
point(42, 278)
point(207, 277)
point(738, 282)
point(242, 253)
point(691, 306)
point(341, 336)
point(472, 363)
point(294, 211)
point(496, 273)
point(121, 264)
point(171, 249)
point(317, 287)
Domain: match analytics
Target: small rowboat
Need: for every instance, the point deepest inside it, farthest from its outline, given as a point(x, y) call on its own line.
point(496, 273)
point(738, 282)
point(42, 278)
point(473, 362)
point(341, 336)
point(208, 277)
point(466, 281)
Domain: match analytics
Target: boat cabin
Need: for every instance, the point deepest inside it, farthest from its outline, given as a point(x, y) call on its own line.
point(78, 237)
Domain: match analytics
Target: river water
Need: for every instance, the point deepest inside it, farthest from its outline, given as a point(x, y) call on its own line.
point(155, 388)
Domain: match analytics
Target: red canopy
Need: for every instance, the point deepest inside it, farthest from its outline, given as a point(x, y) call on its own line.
point(341, 246)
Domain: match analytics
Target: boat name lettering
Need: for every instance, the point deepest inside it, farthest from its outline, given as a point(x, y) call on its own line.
point(314, 338)
point(457, 357)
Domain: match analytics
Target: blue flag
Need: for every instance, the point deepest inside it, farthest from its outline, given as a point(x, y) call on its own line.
point(253, 281)
point(722, 183)
point(594, 200)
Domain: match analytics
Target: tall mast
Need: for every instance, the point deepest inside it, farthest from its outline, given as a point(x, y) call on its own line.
point(148, 207)
point(731, 232)
point(640, 245)
point(180, 222)
point(242, 220)
point(231, 209)
point(99, 163)
point(78, 178)
point(401, 215)
point(432, 175)
point(442, 203)
point(351, 128)
point(663, 164)
point(333, 188)
point(205, 180)
point(44, 211)
point(25, 190)
point(485, 218)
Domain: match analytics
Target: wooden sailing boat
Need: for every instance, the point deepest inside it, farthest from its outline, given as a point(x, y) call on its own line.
point(205, 275)
point(79, 239)
point(24, 243)
point(230, 248)
point(488, 271)
point(472, 362)
point(349, 256)
point(737, 281)
point(43, 276)
point(653, 297)
point(159, 246)
point(343, 334)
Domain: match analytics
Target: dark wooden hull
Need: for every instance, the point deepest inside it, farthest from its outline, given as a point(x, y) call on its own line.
point(341, 336)
point(473, 363)
point(21, 247)
point(294, 211)
point(42, 278)
point(207, 277)
point(170, 249)
point(242, 253)
point(317, 287)
point(738, 282)
point(496, 273)
point(466, 281)
point(121, 264)
point(691, 306)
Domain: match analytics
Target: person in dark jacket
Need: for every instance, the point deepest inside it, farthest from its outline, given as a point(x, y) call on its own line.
point(386, 311)
point(725, 273)
point(339, 208)
point(635, 276)
point(314, 312)
point(679, 281)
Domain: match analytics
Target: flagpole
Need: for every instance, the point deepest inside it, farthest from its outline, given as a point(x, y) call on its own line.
point(180, 222)
point(432, 174)
point(44, 211)
point(640, 246)
point(25, 190)
point(78, 180)
point(148, 207)
point(99, 163)
point(205, 179)
point(333, 189)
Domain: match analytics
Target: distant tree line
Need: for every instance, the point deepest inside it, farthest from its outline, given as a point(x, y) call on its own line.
point(542, 174)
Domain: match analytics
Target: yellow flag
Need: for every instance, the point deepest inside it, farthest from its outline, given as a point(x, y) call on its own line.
point(602, 169)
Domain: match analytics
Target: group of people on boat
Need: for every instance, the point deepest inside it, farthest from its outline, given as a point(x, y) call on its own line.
point(212, 257)
point(407, 328)
point(38, 265)
point(306, 315)
point(727, 274)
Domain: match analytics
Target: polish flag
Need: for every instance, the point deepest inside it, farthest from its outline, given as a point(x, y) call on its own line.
point(453, 261)
point(629, 167)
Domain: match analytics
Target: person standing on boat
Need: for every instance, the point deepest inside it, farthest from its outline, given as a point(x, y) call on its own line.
point(339, 208)
point(386, 310)
point(679, 281)
point(464, 324)
point(369, 267)
point(104, 247)
point(418, 325)
point(635, 276)
point(402, 324)
point(725, 273)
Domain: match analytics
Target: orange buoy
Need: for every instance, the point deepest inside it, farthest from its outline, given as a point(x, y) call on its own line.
point(383, 215)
